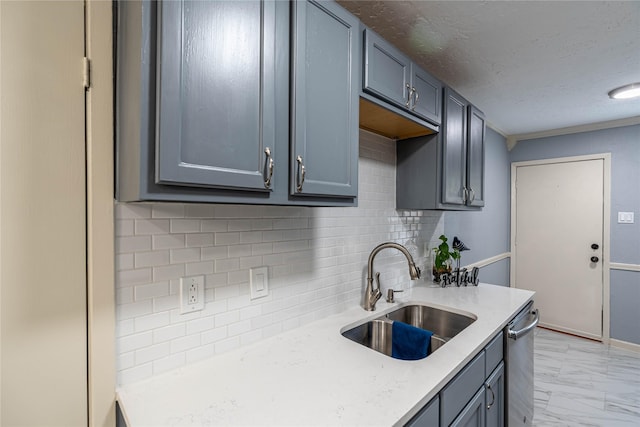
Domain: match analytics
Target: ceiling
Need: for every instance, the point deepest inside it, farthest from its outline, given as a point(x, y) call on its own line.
point(531, 66)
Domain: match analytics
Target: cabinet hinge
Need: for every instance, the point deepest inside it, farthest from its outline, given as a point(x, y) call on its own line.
point(86, 72)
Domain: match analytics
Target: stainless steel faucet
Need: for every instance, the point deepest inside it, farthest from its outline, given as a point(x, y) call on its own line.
point(371, 296)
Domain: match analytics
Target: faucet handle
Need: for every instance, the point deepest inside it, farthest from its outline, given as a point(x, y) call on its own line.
point(378, 280)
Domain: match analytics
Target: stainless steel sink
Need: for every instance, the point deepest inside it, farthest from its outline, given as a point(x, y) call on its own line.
point(377, 334)
point(443, 323)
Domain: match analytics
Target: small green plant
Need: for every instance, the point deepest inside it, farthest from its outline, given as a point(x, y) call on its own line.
point(443, 258)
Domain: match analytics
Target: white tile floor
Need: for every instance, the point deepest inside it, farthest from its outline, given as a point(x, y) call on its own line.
point(579, 382)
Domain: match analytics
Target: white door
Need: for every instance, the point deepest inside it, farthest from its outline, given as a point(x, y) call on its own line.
point(43, 263)
point(559, 236)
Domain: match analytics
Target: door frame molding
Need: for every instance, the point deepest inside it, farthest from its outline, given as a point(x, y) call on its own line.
point(606, 226)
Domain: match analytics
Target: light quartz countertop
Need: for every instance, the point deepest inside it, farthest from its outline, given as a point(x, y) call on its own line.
point(312, 375)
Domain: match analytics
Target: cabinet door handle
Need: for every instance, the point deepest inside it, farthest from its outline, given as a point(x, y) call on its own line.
point(493, 397)
point(269, 163)
point(301, 174)
point(472, 195)
point(409, 94)
point(415, 98)
point(464, 195)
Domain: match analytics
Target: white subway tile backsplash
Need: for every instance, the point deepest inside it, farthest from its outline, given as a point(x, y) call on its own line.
point(169, 363)
point(124, 211)
point(167, 210)
point(214, 335)
point(152, 226)
point(198, 268)
point(168, 272)
point(134, 342)
point(168, 241)
point(199, 211)
point(185, 225)
point(185, 343)
point(200, 353)
point(151, 259)
point(169, 333)
point(136, 373)
point(185, 255)
point(152, 290)
point(152, 321)
point(151, 353)
point(316, 259)
point(199, 325)
point(124, 227)
point(130, 244)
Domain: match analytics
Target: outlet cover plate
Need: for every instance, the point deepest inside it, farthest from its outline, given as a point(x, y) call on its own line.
point(259, 282)
point(191, 294)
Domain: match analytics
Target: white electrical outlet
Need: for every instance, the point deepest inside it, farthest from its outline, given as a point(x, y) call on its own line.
point(259, 282)
point(191, 294)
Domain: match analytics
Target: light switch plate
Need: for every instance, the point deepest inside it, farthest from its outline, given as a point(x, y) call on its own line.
point(259, 282)
point(625, 217)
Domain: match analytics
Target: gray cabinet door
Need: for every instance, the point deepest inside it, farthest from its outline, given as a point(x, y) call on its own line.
point(494, 398)
point(387, 72)
point(216, 101)
point(427, 95)
point(428, 416)
point(454, 155)
point(473, 414)
point(475, 157)
point(324, 96)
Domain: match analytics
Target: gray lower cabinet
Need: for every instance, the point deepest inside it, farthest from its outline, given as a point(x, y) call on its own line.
point(216, 101)
point(474, 397)
point(444, 171)
point(429, 416)
point(473, 414)
point(391, 76)
point(495, 398)
point(325, 89)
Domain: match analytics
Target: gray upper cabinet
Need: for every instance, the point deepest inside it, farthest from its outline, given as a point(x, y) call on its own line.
point(391, 76)
point(216, 94)
point(463, 133)
point(387, 72)
point(215, 101)
point(444, 171)
point(454, 134)
point(324, 98)
point(475, 157)
point(427, 95)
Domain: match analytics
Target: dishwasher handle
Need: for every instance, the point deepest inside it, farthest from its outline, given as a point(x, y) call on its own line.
point(521, 332)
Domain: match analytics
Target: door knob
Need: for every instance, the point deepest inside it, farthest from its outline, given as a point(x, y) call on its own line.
point(594, 259)
point(594, 246)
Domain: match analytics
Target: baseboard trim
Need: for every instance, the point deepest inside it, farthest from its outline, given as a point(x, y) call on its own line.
point(489, 261)
point(622, 266)
point(625, 344)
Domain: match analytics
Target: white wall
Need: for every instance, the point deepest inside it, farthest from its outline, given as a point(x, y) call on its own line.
point(317, 260)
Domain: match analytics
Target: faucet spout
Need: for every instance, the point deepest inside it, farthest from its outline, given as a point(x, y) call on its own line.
point(371, 294)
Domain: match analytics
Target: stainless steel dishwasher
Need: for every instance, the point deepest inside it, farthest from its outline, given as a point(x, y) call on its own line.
point(519, 361)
